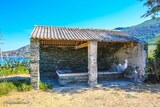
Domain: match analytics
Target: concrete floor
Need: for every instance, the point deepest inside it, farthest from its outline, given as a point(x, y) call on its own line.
point(101, 83)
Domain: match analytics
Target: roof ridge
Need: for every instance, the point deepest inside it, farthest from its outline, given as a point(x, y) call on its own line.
point(76, 28)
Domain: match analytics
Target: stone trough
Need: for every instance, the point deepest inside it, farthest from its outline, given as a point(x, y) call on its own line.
point(67, 76)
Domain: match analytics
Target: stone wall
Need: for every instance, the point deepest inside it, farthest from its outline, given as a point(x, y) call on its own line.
point(136, 54)
point(69, 58)
point(116, 53)
point(77, 60)
point(106, 55)
point(34, 63)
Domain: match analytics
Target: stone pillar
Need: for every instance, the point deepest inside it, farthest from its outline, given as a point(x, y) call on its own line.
point(34, 63)
point(92, 63)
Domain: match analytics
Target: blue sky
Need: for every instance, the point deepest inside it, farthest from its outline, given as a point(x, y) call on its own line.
point(18, 17)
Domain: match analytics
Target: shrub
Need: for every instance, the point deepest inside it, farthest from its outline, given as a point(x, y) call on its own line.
point(20, 86)
point(6, 87)
point(45, 86)
point(25, 87)
point(153, 64)
point(157, 51)
point(151, 56)
point(157, 57)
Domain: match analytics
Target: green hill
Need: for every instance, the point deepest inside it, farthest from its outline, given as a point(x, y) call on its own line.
point(146, 31)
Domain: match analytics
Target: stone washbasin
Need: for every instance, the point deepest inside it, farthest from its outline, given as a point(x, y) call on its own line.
point(68, 76)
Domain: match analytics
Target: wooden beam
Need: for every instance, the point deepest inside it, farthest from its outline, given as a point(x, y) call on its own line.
point(81, 46)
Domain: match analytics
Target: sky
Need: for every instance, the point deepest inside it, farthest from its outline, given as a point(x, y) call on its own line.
point(18, 17)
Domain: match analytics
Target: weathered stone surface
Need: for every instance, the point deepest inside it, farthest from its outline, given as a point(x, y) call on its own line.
point(79, 78)
point(135, 74)
point(92, 63)
point(135, 54)
point(73, 79)
point(34, 64)
point(53, 58)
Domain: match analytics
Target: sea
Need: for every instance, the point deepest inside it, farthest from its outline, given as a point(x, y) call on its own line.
point(13, 59)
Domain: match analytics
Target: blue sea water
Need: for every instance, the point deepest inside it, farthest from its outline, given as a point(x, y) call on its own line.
point(14, 59)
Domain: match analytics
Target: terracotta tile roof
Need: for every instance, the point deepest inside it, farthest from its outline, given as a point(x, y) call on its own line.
point(63, 33)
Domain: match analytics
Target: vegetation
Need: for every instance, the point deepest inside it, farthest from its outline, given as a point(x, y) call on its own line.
point(157, 58)
point(18, 86)
point(153, 8)
point(151, 51)
point(13, 67)
point(146, 31)
point(45, 86)
point(154, 62)
point(157, 51)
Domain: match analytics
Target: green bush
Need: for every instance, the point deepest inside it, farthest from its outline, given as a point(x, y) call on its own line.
point(25, 87)
point(153, 63)
point(157, 51)
point(151, 56)
point(45, 86)
point(20, 86)
point(6, 87)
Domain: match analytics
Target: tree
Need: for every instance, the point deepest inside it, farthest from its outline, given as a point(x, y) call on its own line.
point(157, 57)
point(153, 8)
point(157, 51)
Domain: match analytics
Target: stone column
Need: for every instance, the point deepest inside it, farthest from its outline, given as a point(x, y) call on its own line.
point(92, 63)
point(34, 63)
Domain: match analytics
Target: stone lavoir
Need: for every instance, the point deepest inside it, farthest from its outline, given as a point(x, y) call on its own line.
point(83, 55)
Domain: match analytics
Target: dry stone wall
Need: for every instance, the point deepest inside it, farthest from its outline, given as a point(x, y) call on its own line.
point(53, 58)
point(77, 60)
point(34, 63)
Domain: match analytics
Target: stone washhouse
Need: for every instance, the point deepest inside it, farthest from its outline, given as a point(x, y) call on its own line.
point(74, 55)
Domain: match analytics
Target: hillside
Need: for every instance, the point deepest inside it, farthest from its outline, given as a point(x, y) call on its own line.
point(146, 31)
point(21, 52)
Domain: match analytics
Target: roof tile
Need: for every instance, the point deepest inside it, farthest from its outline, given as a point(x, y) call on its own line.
point(63, 33)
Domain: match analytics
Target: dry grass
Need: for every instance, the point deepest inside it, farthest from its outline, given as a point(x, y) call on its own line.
point(132, 96)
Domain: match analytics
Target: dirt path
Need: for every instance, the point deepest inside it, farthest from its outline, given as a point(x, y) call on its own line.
point(131, 96)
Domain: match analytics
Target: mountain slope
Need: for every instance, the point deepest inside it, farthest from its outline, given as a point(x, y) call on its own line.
point(21, 52)
point(146, 31)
